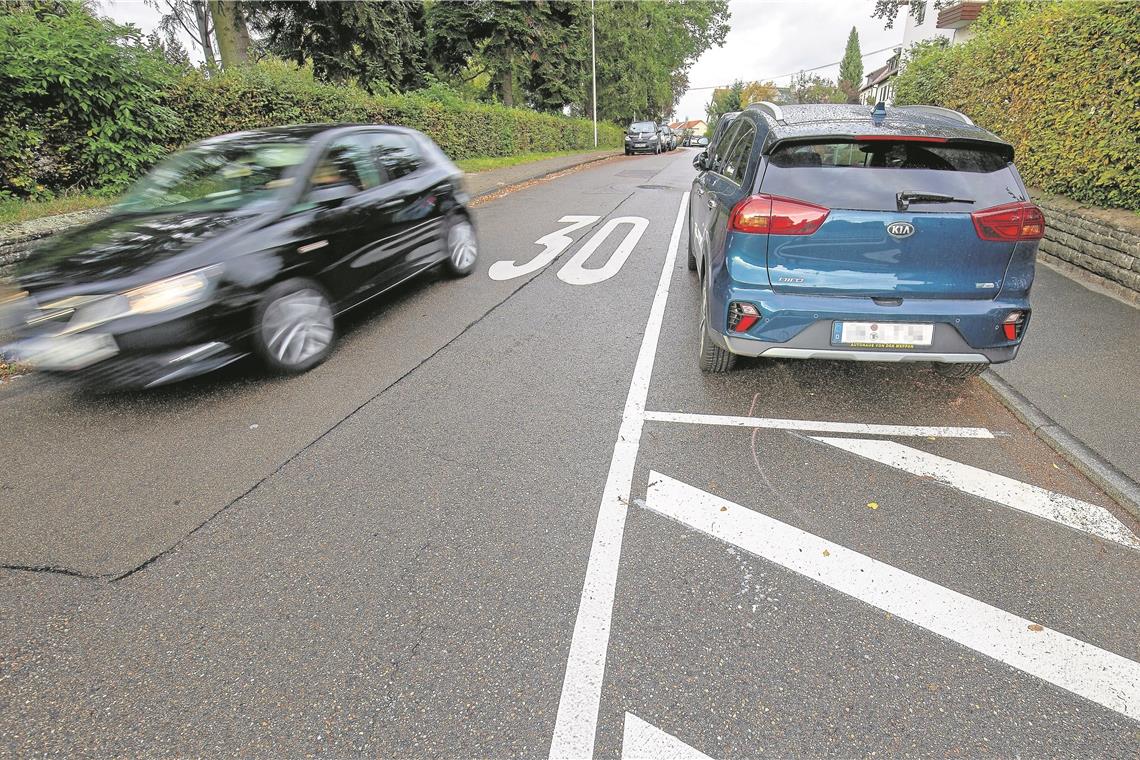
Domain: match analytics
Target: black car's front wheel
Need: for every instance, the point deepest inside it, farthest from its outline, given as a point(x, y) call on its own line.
point(462, 246)
point(294, 327)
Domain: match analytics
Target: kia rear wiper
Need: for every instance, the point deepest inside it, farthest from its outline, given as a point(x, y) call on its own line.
point(904, 199)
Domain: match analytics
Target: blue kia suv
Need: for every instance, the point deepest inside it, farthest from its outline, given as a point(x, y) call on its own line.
point(848, 232)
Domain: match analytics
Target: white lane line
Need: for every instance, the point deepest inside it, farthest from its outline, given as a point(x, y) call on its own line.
point(644, 741)
point(1073, 513)
point(577, 722)
point(819, 426)
point(1074, 665)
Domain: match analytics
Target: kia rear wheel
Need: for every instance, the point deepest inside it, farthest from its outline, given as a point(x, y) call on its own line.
point(960, 371)
point(713, 358)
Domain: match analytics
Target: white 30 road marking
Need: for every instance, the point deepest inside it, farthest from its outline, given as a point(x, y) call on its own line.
point(821, 427)
point(577, 722)
point(644, 741)
point(553, 244)
point(575, 272)
point(1066, 510)
point(1093, 673)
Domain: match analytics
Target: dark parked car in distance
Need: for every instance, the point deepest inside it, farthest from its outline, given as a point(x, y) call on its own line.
point(644, 137)
point(245, 243)
point(670, 137)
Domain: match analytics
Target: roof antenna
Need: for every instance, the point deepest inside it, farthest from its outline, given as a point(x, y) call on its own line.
point(878, 113)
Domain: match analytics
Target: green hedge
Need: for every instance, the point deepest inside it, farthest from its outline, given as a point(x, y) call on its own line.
point(1059, 80)
point(274, 93)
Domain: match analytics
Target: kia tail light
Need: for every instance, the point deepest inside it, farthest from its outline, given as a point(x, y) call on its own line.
point(1010, 222)
point(771, 214)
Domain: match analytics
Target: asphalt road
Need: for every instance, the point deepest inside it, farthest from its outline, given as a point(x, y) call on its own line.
point(399, 553)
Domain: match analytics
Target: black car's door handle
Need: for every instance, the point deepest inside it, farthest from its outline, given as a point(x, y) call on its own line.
point(392, 203)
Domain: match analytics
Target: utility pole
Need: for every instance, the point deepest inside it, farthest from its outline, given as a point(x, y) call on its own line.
point(594, 71)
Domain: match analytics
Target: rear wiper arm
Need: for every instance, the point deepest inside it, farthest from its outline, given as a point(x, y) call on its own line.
point(904, 199)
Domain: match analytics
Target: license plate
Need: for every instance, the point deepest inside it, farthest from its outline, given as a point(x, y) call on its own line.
point(68, 352)
point(639, 145)
point(882, 334)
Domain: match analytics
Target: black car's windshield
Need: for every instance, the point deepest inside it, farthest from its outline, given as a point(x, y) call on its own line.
point(222, 176)
point(643, 126)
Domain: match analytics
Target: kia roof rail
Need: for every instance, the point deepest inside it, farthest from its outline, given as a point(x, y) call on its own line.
point(771, 108)
point(939, 111)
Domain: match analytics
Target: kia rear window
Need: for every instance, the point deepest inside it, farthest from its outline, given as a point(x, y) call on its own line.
point(890, 154)
point(868, 176)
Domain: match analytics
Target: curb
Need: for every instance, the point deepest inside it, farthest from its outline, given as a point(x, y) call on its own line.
point(541, 175)
point(1123, 489)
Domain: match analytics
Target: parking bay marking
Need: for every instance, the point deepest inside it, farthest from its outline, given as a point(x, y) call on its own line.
point(1074, 665)
point(1066, 510)
point(820, 426)
point(644, 741)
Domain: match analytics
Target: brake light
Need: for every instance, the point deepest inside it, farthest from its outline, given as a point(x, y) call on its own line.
point(1010, 222)
point(774, 215)
point(899, 138)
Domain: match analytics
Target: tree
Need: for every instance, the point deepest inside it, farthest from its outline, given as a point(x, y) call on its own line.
point(377, 44)
point(170, 48)
point(812, 88)
point(231, 32)
point(754, 92)
point(191, 17)
point(888, 10)
point(851, 68)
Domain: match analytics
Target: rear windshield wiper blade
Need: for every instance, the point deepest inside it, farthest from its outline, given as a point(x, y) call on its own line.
point(904, 199)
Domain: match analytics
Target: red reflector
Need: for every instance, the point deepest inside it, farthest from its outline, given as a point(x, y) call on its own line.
point(746, 322)
point(899, 138)
point(777, 216)
point(1010, 330)
point(1010, 222)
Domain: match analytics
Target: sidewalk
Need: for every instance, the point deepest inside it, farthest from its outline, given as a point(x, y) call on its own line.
point(1080, 364)
point(482, 183)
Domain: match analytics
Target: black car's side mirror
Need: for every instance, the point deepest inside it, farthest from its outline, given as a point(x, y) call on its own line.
point(701, 160)
point(330, 196)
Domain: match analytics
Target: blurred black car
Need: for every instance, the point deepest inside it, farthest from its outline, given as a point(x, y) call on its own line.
point(245, 243)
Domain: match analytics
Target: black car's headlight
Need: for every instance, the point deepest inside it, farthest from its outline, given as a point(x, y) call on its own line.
point(172, 292)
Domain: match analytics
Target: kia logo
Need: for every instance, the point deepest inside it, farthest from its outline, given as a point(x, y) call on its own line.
point(900, 229)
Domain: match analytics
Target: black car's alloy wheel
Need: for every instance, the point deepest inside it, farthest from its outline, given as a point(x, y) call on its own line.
point(294, 327)
point(462, 246)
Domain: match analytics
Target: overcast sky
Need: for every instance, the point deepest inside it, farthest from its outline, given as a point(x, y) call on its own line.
point(769, 39)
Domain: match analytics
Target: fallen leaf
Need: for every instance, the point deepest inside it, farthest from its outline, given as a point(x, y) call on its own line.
point(1055, 467)
point(724, 509)
point(826, 553)
point(1036, 628)
point(873, 505)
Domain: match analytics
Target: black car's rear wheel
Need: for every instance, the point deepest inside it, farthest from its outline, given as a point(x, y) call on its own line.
point(462, 246)
point(960, 371)
point(294, 329)
point(713, 358)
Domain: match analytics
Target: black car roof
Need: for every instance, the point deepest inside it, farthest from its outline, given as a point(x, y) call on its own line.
point(796, 122)
point(298, 131)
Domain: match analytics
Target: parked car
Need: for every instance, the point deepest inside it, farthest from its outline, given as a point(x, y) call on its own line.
point(838, 232)
point(252, 242)
point(643, 137)
point(669, 137)
point(700, 141)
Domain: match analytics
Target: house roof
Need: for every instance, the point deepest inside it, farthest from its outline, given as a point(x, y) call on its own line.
point(691, 124)
point(881, 74)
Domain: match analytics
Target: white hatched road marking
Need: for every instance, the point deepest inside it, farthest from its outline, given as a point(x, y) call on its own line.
point(1074, 665)
point(576, 725)
point(820, 426)
point(644, 741)
point(1074, 513)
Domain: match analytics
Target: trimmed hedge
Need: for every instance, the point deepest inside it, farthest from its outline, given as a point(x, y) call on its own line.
point(1059, 80)
point(275, 93)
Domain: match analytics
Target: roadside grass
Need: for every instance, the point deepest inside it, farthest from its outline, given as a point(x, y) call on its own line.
point(8, 371)
point(16, 211)
point(474, 165)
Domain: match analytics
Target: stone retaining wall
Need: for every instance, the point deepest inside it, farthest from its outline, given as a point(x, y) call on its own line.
point(16, 240)
point(1104, 242)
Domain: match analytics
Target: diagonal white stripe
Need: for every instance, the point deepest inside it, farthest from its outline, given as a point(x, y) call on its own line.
point(820, 426)
point(644, 741)
point(1073, 513)
point(1074, 665)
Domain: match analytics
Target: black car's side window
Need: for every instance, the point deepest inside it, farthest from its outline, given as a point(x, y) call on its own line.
point(396, 154)
point(346, 162)
point(736, 159)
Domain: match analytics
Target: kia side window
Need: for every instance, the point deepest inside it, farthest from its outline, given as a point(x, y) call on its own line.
point(346, 163)
point(736, 160)
point(720, 149)
point(396, 154)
